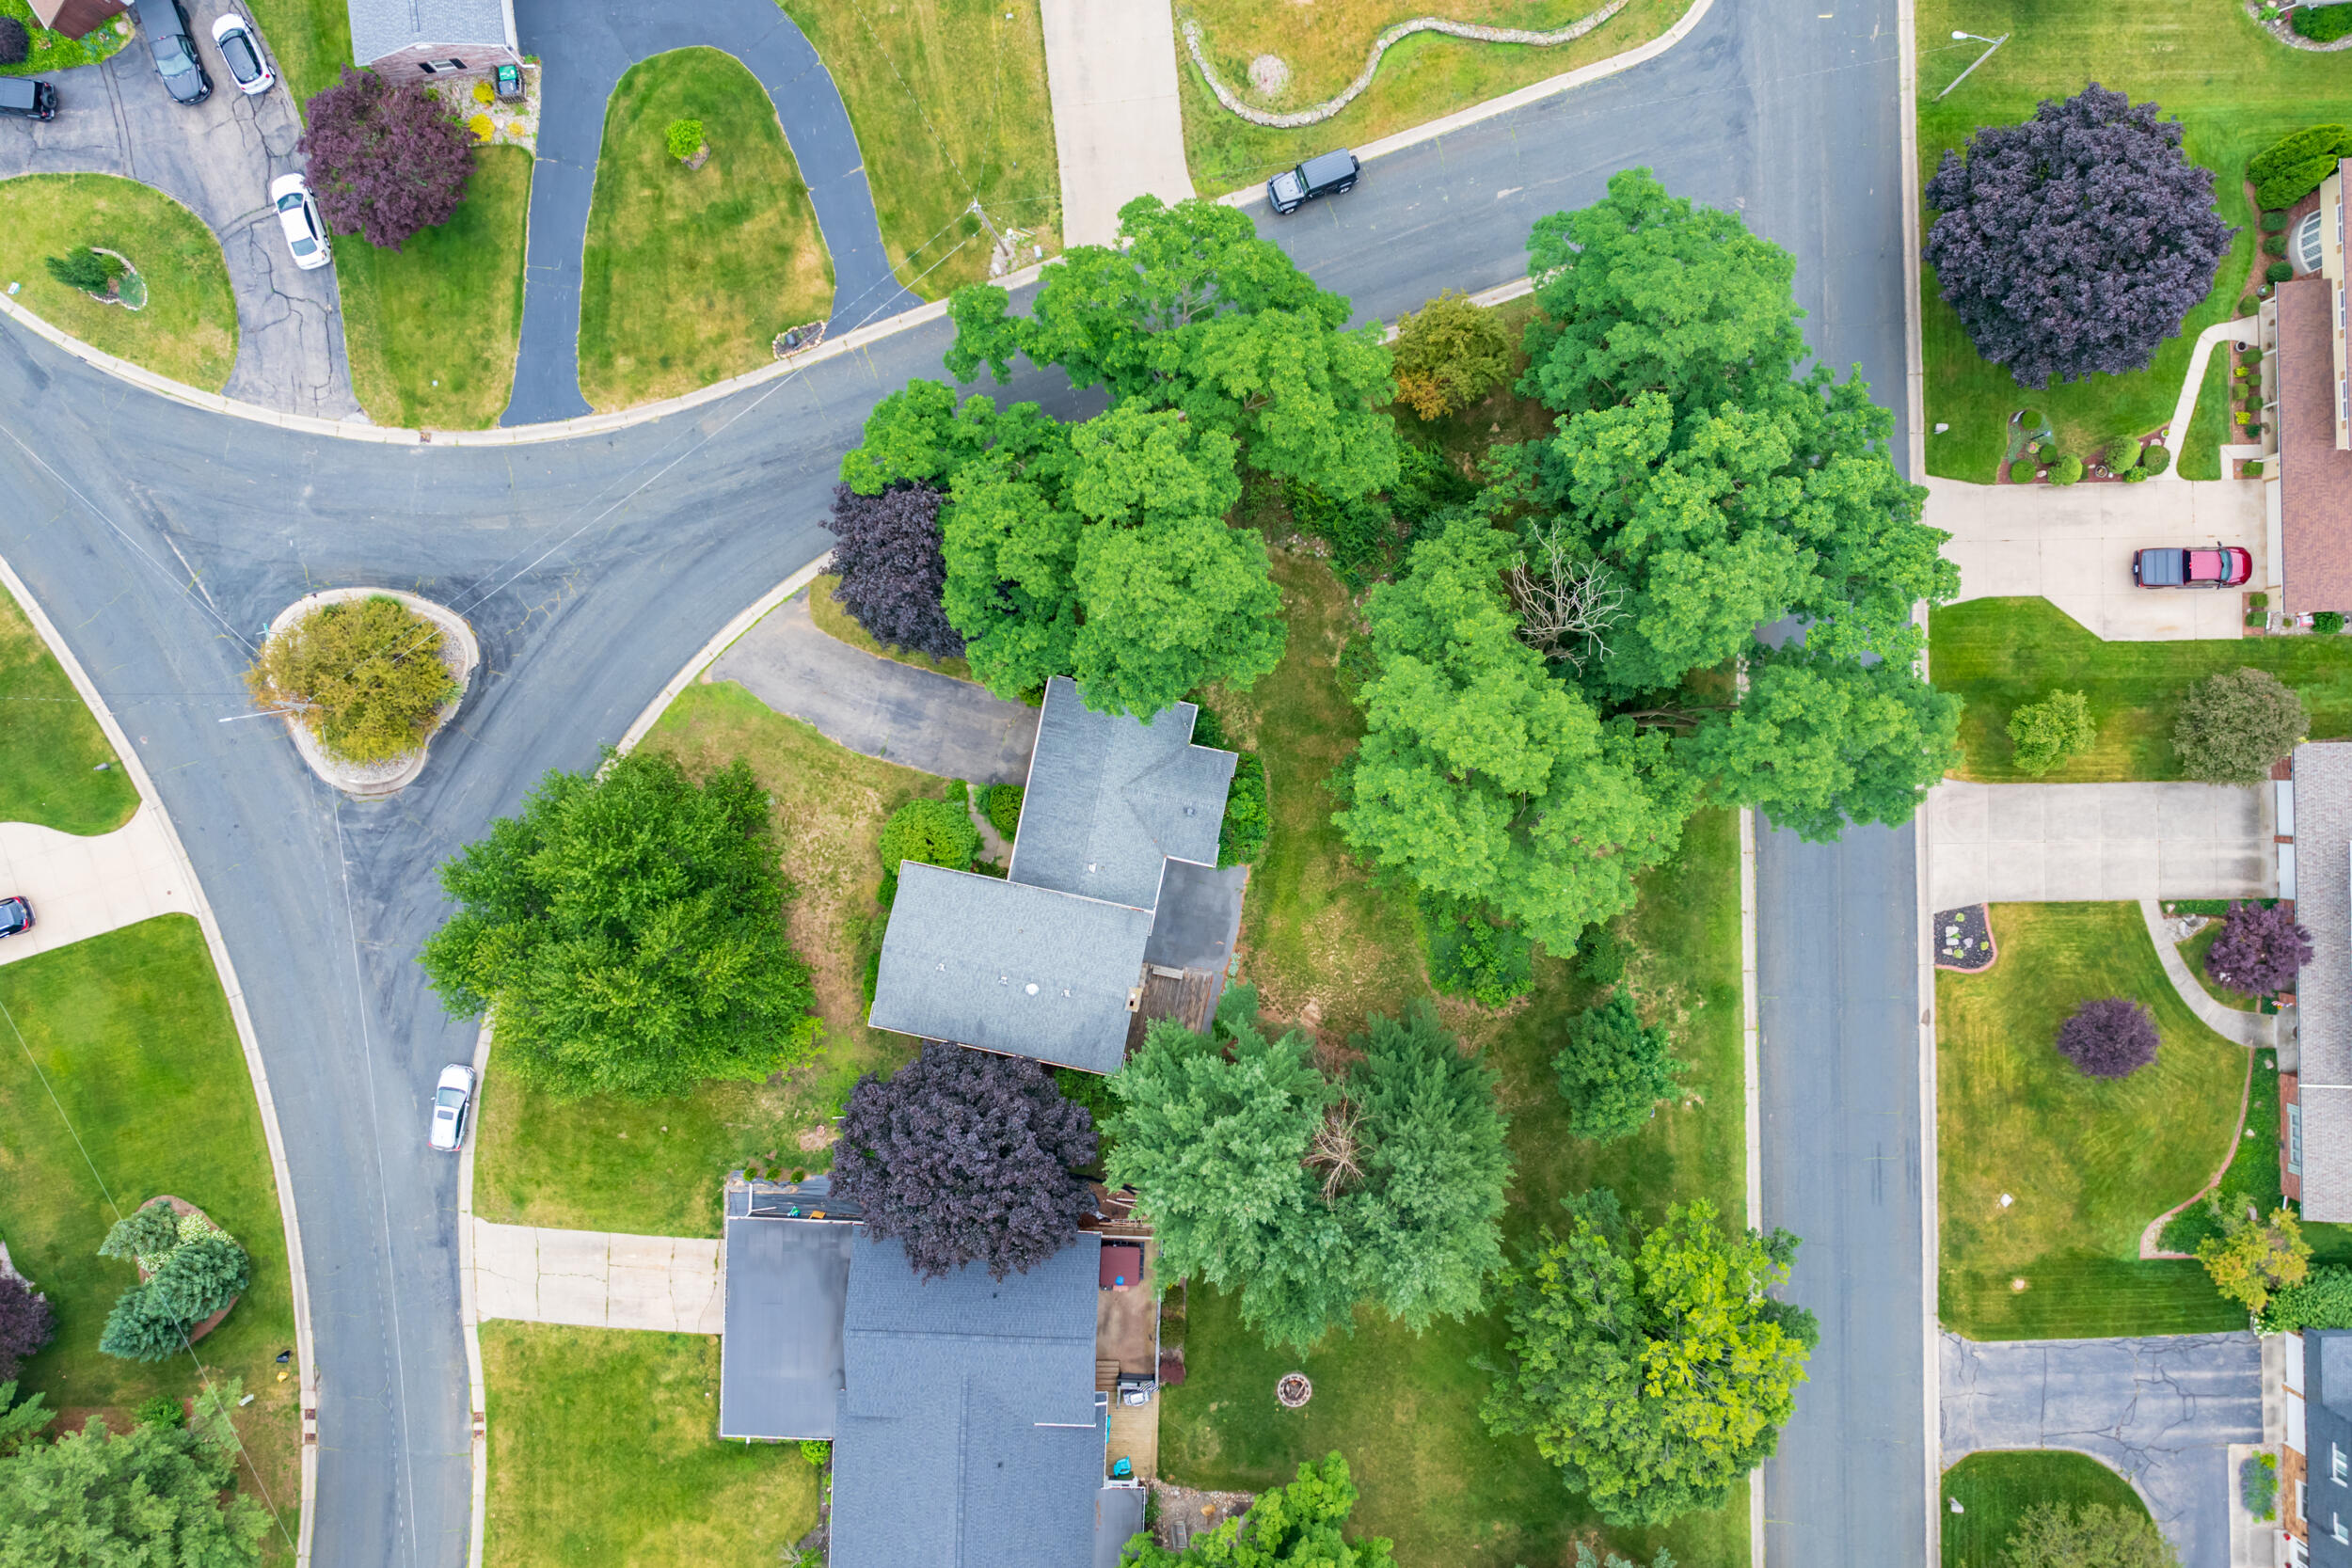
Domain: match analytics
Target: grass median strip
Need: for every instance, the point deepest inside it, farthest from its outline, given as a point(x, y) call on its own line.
point(56, 767)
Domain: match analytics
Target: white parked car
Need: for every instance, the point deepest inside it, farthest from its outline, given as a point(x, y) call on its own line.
point(453, 1103)
point(298, 215)
point(241, 52)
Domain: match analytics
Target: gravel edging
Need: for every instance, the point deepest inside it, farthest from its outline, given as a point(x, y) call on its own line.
point(2283, 31)
point(375, 781)
point(1400, 31)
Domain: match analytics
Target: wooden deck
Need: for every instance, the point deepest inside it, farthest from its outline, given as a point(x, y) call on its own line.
point(1188, 995)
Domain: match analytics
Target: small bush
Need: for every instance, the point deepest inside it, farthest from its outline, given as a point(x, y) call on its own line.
point(2274, 221)
point(683, 139)
point(2066, 470)
point(1249, 818)
point(83, 269)
point(1471, 956)
point(1613, 1072)
point(2121, 454)
point(482, 128)
point(26, 1323)
point(161, 1410)
point(936, 833)
point(2031, 419)
point(2154, 460)
point(1448, 354)
point(481, 93)
point(16, 44)
point(817, 1451)
point(2259, 951)
point(2278, 272)
point(2327, 622)
point(1004, 808)
point(1605, 955)
point(367, 674)
point(2247, 305)
point(2258, 601)
point(2274, 244)
point(2046, 733)
point(2250, 357)
point(2234, 725)
point(2112, 1037)
point(2323, 24)
point(2258, 1485)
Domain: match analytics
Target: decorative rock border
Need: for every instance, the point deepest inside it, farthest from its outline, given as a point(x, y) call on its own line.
point(1291, 1390)
point(1325, 110)
point(374, 781)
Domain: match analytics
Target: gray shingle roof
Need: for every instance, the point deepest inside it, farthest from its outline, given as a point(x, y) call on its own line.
point(381, 27)
point(1009, 968)
point(1111, 798)
point(2323, 992)
point(967, 1435)
point(780, 1359)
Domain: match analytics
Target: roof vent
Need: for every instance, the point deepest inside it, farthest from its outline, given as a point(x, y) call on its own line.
point(1004, 979)
point(1031, 987)
point(1190, 812)
point(1089, 865)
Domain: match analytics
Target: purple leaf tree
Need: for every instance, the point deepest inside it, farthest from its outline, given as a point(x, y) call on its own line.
point(2111, 1038)
point(25, 1324)
point(2259, 950)
point(966, 1157)
point(385, 160)
point(891, 568)
point(2076, 240)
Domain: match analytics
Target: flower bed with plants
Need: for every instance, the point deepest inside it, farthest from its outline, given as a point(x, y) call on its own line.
point(191, 1272)
point(29, 49)
point(1964, 940)
point(365, 677)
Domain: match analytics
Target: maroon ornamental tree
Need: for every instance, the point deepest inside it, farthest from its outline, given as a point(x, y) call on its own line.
point(2259, 950)
point(25, 1324)
point(385, 160)
point(891, 569)
point(2111, 1038)
point(966, 1157)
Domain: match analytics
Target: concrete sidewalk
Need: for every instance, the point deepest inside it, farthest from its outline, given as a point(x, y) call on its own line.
point(80, 887)
point(2241, 330)
point(2054, 843)
point(600, 1279)
point(1110, 70)
point(2254, 1029)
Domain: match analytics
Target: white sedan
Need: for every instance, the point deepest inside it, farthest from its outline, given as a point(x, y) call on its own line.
point(241, 52)
point(453, 1103)
point(298, 215)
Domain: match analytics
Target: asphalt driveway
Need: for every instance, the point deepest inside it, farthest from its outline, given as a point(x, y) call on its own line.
point(216, 159)
point(2162, 1412)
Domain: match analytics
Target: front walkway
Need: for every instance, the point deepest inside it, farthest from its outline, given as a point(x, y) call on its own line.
point(2073, 545)
point(2230, 1024)
point(2161, 1411)
point(2027, 843)
point(1110, 70)
point(80, 887)
point(2242, 330)
point(600, 1279)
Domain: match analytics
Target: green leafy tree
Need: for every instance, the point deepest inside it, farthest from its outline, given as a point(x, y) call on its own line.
point(936, 833)
point(2046, 733)
point(2234, 725)
point(1192, 312)
point(2088, 1535)
point(2252, 1259)
point(625, 932)
point(201, 1279)
point(1614, 1071)
point(152, 1494)
point(1652, 1367)
point(366, 674)
point(22, 1424)
point(683, 138)
point(1297, 1526)
point(1449, 353)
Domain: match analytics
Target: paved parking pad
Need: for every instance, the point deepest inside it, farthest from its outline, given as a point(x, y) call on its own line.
point(80, 887)
point(598, 1278)
point(2030, 843)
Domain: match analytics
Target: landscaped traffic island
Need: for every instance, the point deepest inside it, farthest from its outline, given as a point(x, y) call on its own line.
point(364, 677)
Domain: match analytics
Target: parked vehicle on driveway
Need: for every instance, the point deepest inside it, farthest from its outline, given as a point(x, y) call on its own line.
point(1325, 174)
point(241, 52)
point(166, 24)
point(453, 1103)
point(26, 99)
point(16, 916)
point(2222, 566)
point(298, 215)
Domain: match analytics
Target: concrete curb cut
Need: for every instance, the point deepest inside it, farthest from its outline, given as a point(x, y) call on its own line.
point(1750, 1034)
point(308, 1385)
point(345, 777)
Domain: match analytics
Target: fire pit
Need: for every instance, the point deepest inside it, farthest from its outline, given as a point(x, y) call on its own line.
point(1293, 1390)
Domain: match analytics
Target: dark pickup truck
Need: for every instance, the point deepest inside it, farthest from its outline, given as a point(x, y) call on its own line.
point(2222, 566)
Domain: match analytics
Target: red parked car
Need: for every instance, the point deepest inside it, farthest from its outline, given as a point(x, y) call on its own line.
point(2222, 566)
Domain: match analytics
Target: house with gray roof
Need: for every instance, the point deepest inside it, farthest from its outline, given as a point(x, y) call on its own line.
point(2316, 1064)
point(1112, 907)
point(433, 41)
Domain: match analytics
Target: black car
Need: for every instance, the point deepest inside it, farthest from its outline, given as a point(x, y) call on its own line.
point(1326, 174)
point(27, 99)
point(16, 917)
point(166, 23)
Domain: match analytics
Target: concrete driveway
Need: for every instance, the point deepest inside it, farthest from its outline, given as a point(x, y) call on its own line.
point(599, 1279)
point(82, 886)
point(2162, 1412)
point(216, 159)
point(2033, 843)
point(1118, 128)
point(2073, 545)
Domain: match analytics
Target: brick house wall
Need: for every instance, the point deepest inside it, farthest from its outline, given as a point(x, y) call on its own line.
point(450, 62)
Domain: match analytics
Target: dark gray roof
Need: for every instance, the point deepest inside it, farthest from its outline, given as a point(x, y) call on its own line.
point(2323, 905)
point(2327, 1398)
point(1004, 967)
point(381, 27)
point(1111, 798)
point(967, 1435)
point(780, 1359)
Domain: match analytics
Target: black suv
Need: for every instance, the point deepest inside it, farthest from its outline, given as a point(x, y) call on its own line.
point(1327, 174)
point(166, 23)
point(26, 99)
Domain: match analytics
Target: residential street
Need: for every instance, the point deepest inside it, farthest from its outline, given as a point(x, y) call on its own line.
point(591, 570)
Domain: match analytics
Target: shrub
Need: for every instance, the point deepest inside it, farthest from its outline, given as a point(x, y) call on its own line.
point(2291, 167)
point(16, 44)
point(1613, 1072)
point(26, 1323)
point(2260, 950)
point(1004, 808)
point(2258, 1485)
point(2250, 357)
point(2252, 1259)
point(2234, 725)
point(385, 160)
point(683, 138)
point(367, 674)
point(481, 92)
point(83, 269)
point(1249, 818)
point(2031, 419)
point(1448, 354)
point(2247, 305)
point(1605, 955)
point(2066, 470)
point(2048, 1536)
point(138, 1330)
point(2258, 601)
point(932, 832)
point(148, 1231)
point(2278, 272)
point(2274, 244)
point(1358, 529)
point(2154, 460)
point(2274, 221)
point(2046, 733)
point(892, 570)
point(199, 1279)
point(2121, 455)
point(817, 1451)
point(1470, 955)
point(161, 1410)
point(2113, 1038)
point(2323, 24)
point(2323, 1300)
point(2327, 622)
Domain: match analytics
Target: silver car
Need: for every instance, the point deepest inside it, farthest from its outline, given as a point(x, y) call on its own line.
point(453, 1103)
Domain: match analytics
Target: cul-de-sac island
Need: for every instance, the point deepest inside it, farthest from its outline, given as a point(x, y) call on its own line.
point(1187, 783)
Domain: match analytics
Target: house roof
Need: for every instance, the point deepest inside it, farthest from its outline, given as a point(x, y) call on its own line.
point(2315, 478)
point(2323, 990)
point(381, 27)
point(1111, 799)
point(780, 1366)
point(967, 1433)
point(1004, 967)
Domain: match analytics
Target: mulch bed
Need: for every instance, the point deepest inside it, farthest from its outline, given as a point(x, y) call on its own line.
point(1964, 940)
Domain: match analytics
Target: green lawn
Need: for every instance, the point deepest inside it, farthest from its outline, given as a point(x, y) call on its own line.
point(406, 365)
point(188, 330)
point(54, 52)
point(605, 1165)
point(948, 101)
point(2089, 1162)
point(2200, 456)
point(1995, 1489)
point(133, 1037)
point(604, 1451)
point(835, 622)
point(688, 274)
point(2234, 90)
point(51, 747)
point(1423, 78)
point(2000, 654)
point(2253, 1175)
point(310, 40)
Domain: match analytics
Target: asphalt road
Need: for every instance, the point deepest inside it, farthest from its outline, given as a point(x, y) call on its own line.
point(162, 539)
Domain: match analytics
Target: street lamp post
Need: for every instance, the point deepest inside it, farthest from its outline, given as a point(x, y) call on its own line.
point(1991, 45)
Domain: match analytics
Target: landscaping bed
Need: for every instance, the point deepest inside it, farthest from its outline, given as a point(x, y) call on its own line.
point(187, 329)
point(1964, 940)
point(837, 624)
point(56, 767)
point(52, 52)
point(2193, 953)
point(1994, 1490)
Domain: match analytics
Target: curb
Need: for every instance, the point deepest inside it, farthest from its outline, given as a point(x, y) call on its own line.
point(344, 776)
point(1751, 1034)
point(307, 1364)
